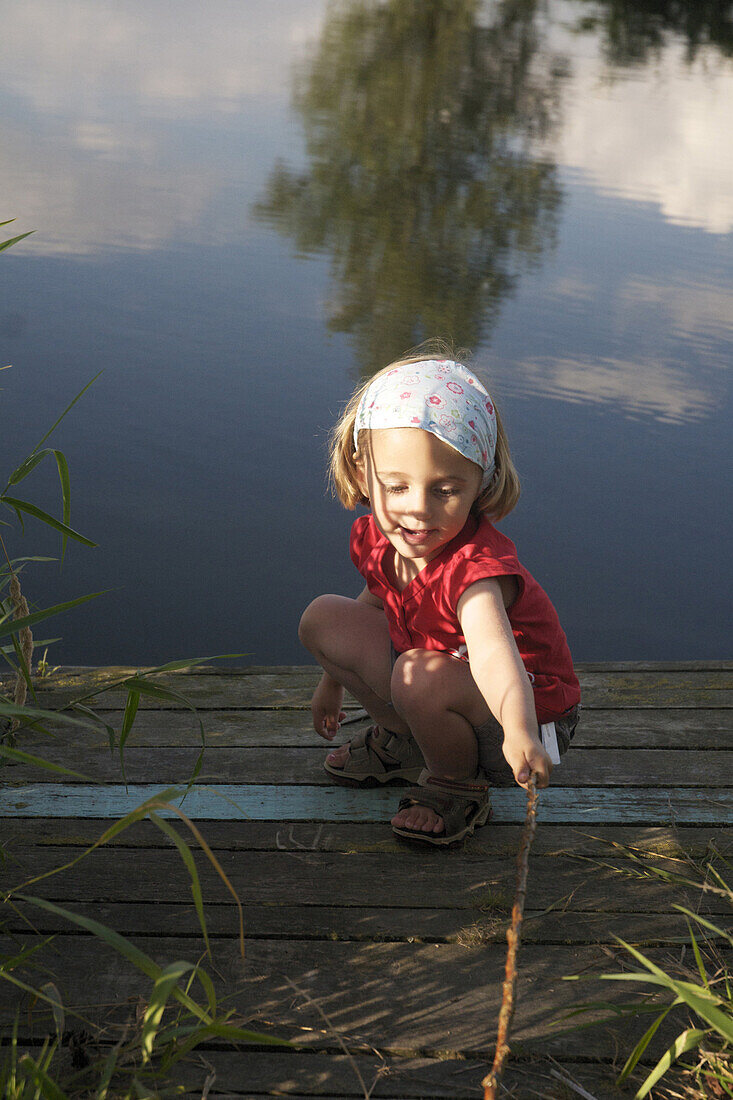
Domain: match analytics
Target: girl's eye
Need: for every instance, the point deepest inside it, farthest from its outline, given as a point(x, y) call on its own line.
point(447, 492)
point(395, 488)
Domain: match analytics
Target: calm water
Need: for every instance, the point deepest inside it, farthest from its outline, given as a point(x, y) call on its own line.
point(241, 210)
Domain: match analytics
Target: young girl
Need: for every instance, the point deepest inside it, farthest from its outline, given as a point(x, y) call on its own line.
point(452, 647)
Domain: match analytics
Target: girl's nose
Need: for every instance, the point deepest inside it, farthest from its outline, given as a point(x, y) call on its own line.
point(418, 504)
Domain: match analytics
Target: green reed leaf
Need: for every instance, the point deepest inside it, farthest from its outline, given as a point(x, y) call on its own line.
point(44, 643)
point(219, 1030)
point(702, 1001)
point(45, 517)
point(48, 1088)
point(187, 857)
point(36, 993)
point(642, 1045)
point(27, 466)
point(98, 722)
point(187, 662)
point(63, 469)
point(123, 946)
point(68, 408)
point(133, 700)
point(58, 1009)
point(698, 957)
point(686, 1041)
point(39, 762)
point(36, 714)
point(163, 989)
point(166, 694)
point(14, 240)
point(37, 616)
point(109, 1068)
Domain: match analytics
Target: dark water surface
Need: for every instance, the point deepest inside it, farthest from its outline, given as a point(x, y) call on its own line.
point(241, 211)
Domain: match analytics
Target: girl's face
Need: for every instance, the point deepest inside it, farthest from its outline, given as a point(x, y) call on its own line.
point(420, 489)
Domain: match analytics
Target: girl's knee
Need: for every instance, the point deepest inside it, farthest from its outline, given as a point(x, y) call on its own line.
point(315, 620)
point(417, 679)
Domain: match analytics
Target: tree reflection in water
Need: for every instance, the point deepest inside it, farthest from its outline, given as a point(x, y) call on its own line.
point(632, 29)
point(420, 118)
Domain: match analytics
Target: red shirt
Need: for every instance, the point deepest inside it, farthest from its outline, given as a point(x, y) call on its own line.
point(423, 615)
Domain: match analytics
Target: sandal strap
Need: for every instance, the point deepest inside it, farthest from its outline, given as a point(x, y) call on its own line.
point(445, 795)
point(474, 789)
point(376, 742)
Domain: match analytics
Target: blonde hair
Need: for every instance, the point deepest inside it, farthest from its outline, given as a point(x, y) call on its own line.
point(495, 501)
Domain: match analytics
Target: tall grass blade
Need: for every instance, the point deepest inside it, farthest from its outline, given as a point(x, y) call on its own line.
point(39, 762)
point(43, 643)
point(49, 1090)
point(698, 957)
point(57, 1007)
point(119, 943)
point(14, 240)
point(187, 856)
point(68, 409)
point(38, 616)
point(685, 1042)
point(187, 662)
point(109, 1068)
point(165, 694)
point(642, 1045)
point(703, 1001)
point(217, 867)
point(218, 1030)
point(99, 723)
point(133, 701)
point(36, 714)
point(113, 939)
point(117, 827)
point(45, 517)
point(162, 990)
point(37, 994)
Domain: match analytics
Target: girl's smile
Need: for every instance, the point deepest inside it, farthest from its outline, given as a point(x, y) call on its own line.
point(417, 538)
point(421, 490)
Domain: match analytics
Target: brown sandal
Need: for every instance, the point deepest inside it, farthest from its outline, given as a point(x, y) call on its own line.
point(377, 757)
point(463, 807)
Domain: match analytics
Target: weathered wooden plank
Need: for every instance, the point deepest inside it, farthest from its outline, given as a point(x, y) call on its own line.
point(599, 728)
point(574, 805)
point(483, 885)
point(493, 842)
point(396, 997)
point(629, 767)
point(298, 1074)
point(293, 688)
point(305, 1075)
point(359, 923)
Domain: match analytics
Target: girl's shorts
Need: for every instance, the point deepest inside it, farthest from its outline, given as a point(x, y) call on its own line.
point(490, 737)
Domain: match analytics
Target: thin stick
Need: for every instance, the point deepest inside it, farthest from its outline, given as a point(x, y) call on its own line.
point(514, 932)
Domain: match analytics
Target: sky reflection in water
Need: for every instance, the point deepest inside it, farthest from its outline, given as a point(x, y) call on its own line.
point(240, 213)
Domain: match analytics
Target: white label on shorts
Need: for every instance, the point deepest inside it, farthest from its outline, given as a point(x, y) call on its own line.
point(549, 741)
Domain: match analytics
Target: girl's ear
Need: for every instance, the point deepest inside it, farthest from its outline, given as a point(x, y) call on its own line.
point(361, 473)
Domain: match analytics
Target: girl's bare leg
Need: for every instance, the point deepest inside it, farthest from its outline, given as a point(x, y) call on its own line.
point(350, 641)
point(438, 698)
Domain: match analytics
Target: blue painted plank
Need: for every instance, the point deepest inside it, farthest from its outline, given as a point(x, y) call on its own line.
point(232, 802)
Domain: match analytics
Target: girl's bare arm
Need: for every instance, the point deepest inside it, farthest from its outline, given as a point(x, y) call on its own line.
point(502, 679)
point(328, 698)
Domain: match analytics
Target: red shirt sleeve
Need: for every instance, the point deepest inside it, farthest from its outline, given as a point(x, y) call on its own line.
point(473, 564)
point(360, 543)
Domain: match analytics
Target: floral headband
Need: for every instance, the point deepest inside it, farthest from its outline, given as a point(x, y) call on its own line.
point(439, 396)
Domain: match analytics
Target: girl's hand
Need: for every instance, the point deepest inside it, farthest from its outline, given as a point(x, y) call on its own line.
point(525, 754)
point(326, 708)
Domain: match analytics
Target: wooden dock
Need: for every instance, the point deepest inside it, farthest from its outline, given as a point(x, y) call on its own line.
point(381, 961)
